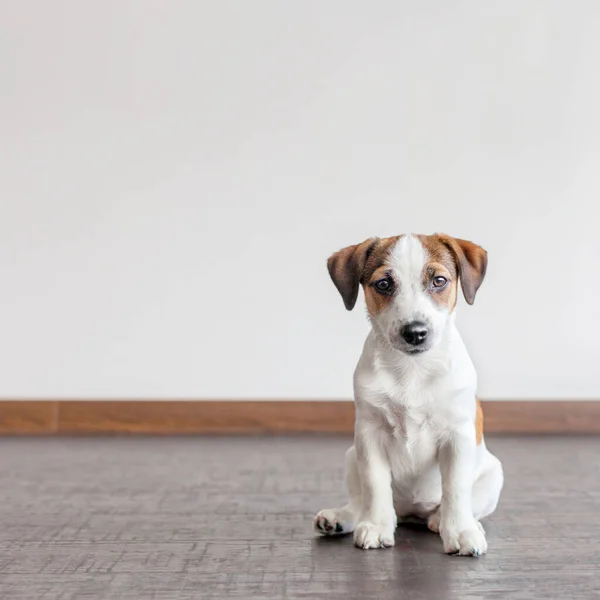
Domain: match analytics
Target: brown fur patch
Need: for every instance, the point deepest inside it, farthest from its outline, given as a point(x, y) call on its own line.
point(379, 257)
point(478, 423)
point(376, 302)
point(441, 262)
point(376, 269)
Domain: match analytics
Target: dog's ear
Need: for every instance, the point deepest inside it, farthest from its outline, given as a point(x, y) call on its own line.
point(346, 269)
point(471, 261)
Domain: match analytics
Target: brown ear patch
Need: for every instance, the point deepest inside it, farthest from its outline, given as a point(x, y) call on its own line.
point(356, 265)
point(471, 261)
point(478, 423)
point(346, 268)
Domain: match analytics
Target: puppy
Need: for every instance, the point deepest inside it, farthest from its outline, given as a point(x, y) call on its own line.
point(418, 440)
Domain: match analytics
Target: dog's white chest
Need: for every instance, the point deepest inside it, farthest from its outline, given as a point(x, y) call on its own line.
point(411, 439)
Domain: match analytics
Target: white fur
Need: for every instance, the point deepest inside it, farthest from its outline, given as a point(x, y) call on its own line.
point(415, 451)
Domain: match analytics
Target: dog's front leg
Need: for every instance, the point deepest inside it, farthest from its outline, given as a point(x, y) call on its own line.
point(377, 522)
point(460, 531)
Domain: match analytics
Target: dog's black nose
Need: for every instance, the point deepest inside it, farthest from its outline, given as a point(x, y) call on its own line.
point(414, 333)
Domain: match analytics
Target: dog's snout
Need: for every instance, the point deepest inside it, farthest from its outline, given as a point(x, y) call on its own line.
point(414, 333)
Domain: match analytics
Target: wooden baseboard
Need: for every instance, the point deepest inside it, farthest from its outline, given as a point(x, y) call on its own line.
point(244, 417)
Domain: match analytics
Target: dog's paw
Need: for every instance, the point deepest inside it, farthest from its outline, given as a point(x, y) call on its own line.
point(331, 522)
point(464, 541)
point(433, 523)
point(368, 535)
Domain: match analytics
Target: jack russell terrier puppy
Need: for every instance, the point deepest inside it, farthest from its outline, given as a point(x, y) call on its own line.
point(418, 441)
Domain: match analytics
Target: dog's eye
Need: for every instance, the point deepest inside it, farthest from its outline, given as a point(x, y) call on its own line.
point(385, 286)
point(439, 281)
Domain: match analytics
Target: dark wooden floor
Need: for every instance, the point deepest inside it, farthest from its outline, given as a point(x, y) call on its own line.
point(166, 518)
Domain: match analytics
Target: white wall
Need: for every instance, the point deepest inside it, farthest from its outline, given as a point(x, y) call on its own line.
point(174, 175)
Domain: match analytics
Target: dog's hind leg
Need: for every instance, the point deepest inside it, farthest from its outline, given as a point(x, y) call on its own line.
point(487, 487)
point(339, 521)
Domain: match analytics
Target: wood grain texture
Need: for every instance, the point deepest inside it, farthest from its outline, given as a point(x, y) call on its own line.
point(542, 417)
point(212, 517)
point(205, 417)
point(188, 417)
point(28, 417)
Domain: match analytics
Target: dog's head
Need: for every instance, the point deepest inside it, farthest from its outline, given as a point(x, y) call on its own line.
point(410, 284)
